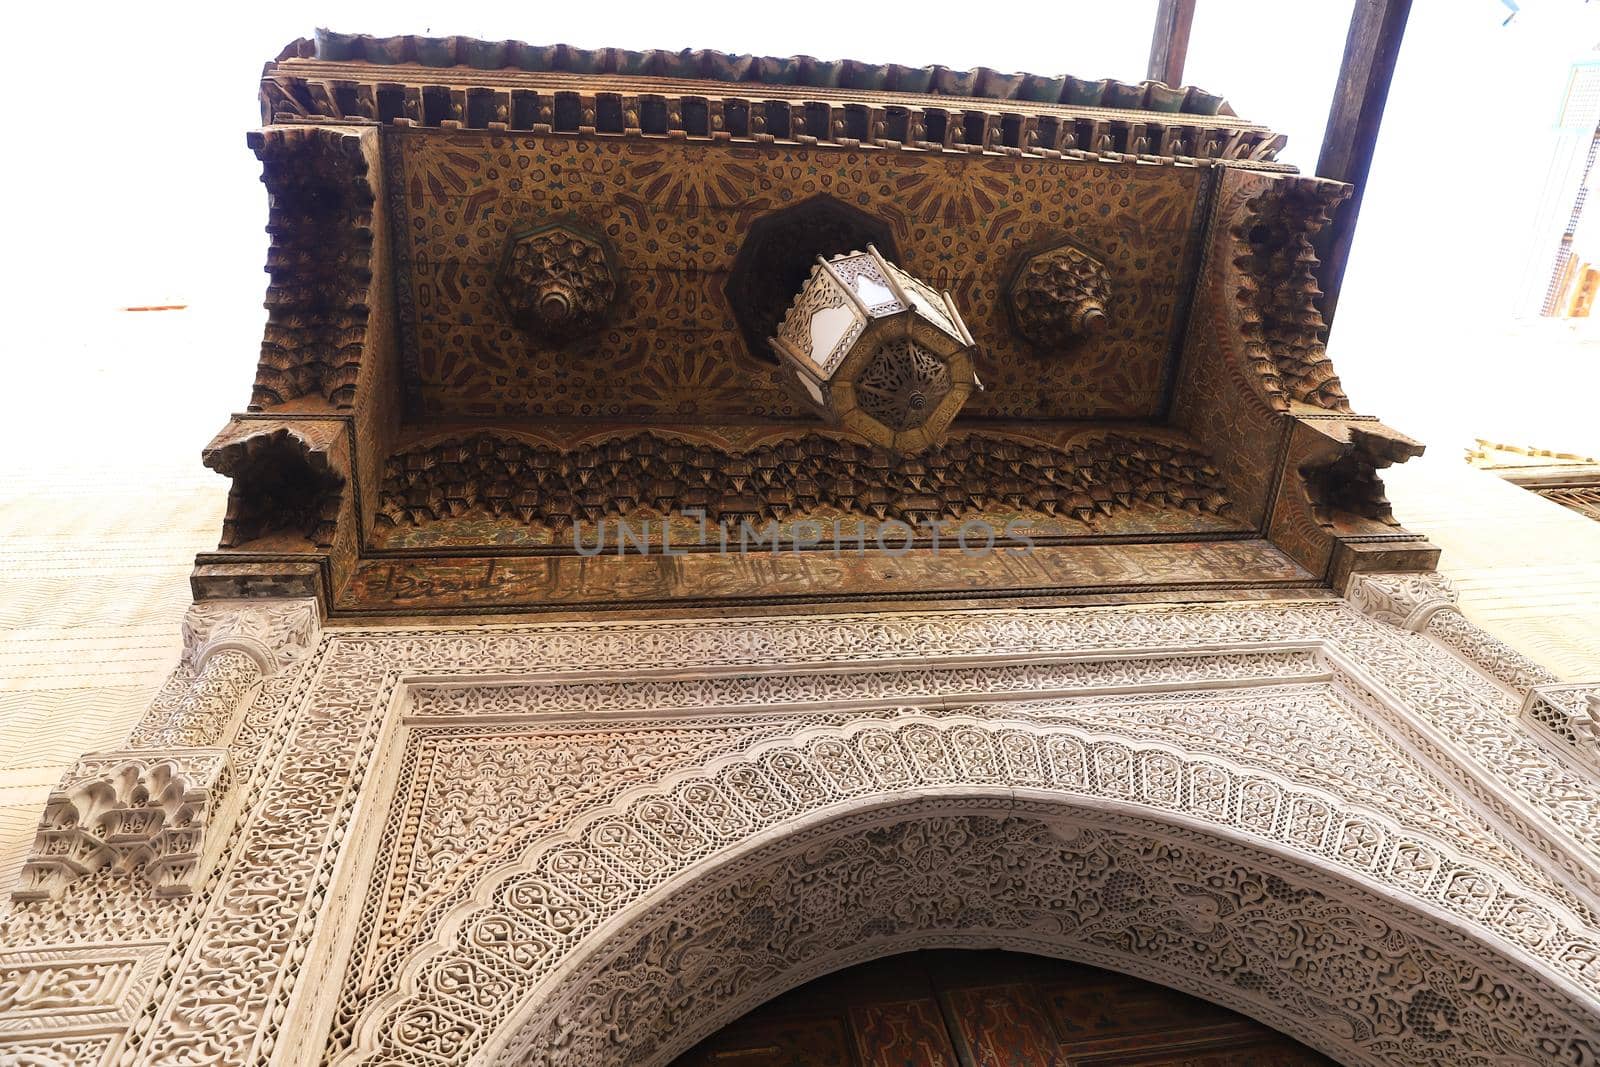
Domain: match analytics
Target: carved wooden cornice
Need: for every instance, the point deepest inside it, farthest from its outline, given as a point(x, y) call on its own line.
point(705, 64)
point(463, 83)
point(1259, 439)
point(492, 474)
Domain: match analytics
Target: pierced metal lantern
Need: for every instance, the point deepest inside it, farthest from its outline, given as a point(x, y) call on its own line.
point(877, 351)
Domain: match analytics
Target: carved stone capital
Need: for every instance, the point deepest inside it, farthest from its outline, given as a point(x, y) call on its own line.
point(154, 812)
point(1406, 600)
point(272, 633)
point(1569, 716)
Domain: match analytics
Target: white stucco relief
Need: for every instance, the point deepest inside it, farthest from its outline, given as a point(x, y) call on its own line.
point(1378, 770)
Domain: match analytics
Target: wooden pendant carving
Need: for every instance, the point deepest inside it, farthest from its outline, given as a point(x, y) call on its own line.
point(1059, 296)
point(556, 282)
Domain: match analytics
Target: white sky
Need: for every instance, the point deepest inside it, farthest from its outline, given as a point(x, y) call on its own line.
point(131, 184)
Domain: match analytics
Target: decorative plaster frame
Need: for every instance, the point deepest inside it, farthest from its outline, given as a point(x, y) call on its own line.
point(315, 755)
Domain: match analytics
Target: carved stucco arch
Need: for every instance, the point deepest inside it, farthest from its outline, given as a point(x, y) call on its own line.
point(501, 977)
point(642, 999)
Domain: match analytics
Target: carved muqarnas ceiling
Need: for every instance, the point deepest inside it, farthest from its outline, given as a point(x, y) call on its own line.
point(676, 216)
point(318, 303)
point(1095, 478)
point(1284, 334)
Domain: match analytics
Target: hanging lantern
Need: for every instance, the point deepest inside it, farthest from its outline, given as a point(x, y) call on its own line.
point(877, 351)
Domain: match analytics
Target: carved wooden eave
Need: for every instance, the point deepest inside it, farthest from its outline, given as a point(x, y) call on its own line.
point(711, 65)
point(461, 83)
point(516, 292)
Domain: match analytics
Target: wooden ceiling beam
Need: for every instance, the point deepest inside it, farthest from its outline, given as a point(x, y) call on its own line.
point(1169, 44)
point(1370, 52)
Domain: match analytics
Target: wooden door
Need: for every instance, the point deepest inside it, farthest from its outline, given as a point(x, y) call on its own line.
point(992, 1009)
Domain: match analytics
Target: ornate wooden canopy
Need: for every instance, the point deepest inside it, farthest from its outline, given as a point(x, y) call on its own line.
point(517, 292)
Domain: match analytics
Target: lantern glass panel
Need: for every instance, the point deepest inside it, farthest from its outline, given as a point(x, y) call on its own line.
point(928, 303)
point(829, 326)
point(872, 291)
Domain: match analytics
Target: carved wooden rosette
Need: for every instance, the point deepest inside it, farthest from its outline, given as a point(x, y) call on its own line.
point(873, 349)
point(1059, 296)
point(556, 281)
